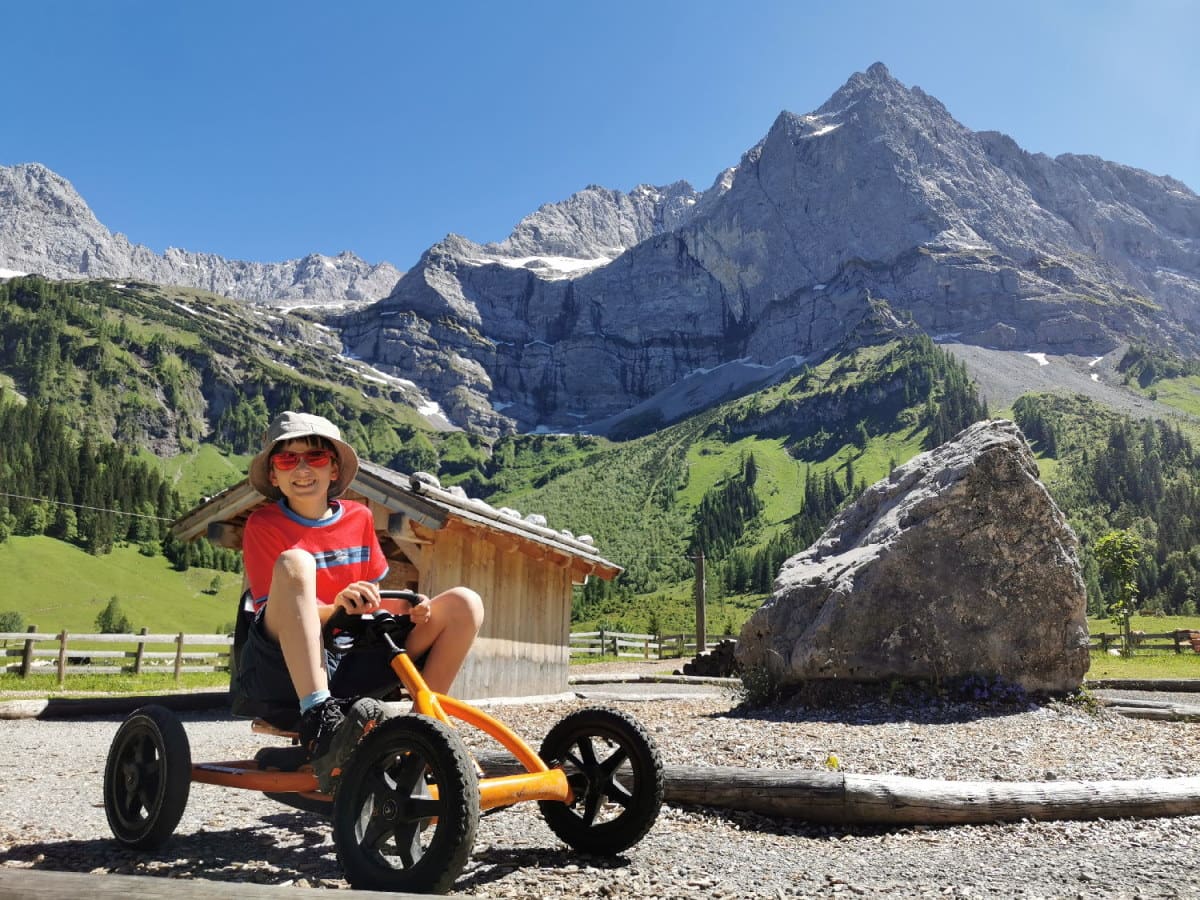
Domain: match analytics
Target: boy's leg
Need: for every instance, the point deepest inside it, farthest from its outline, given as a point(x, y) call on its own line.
point(454, 620)
point(291, 620)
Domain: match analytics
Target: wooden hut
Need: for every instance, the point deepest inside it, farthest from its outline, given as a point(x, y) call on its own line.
point(436, 538)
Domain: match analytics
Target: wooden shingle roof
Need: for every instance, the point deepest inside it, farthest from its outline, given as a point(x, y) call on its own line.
point(419, 498)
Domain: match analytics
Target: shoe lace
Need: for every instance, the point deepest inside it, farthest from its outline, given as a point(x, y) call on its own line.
point(329, 717)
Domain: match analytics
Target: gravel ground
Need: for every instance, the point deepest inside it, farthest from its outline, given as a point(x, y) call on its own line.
point(1004, 375)
point(52, 817)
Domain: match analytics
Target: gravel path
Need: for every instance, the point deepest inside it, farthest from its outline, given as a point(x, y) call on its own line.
point(51, 815)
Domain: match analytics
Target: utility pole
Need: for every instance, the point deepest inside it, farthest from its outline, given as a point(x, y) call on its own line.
point(701, 624)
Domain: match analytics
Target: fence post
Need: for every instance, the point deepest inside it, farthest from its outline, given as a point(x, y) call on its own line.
point(178, 656)
point(62, 658)
point(602, 647)
point(27, 656)
point(141, 650)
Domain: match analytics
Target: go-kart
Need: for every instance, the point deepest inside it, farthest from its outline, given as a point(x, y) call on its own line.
point(406, 804)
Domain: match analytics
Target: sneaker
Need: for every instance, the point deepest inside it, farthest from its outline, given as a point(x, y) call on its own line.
point(332, 735)
point(318, 726)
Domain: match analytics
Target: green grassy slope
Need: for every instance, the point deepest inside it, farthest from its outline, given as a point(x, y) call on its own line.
point(202, 472)
point(640, 498)
point(56, 585)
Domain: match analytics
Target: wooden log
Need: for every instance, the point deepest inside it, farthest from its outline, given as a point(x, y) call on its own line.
point(1166, 713)
point(72, 885)
point(848, 799)
point(887, 799)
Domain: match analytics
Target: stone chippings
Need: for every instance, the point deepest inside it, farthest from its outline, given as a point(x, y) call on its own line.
point(51, 813)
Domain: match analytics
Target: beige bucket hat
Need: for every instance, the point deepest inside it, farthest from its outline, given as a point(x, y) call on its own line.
point(289, 426)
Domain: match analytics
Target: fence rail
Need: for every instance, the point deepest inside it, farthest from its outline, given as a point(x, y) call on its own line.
point(1180, 641)
point(637, 646)
point(72, 656)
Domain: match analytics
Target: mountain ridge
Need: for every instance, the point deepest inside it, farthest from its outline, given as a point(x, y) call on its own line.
point(47, 228)
point(880, 194)
point(597, 304)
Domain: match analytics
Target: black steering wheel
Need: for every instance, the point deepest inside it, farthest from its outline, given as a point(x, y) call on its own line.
point(344, 633)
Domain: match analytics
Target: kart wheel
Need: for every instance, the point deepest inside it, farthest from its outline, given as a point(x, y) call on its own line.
point(390, 832)
point(147, 778)
point(616, 775)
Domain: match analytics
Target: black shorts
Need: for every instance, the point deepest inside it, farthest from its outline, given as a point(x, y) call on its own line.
point(262, 677)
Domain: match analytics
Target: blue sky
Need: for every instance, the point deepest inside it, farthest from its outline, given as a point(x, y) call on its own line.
point(266, 130)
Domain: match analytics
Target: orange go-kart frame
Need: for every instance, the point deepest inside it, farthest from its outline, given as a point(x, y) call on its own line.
point(538, 782)
point(405, 809)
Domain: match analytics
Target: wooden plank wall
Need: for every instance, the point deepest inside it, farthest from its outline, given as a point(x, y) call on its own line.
point(522, 649)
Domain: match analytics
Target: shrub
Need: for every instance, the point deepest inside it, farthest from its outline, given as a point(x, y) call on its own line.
point(112, 620)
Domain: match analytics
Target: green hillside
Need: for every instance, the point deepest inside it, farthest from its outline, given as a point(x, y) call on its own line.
point(184, 382)
point(647, 501)
point(1107, 471)
point(173, 369)
point(55, 585)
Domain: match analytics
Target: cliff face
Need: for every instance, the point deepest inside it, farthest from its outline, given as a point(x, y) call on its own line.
point(46, 228)
point(877, 201)
point(596, 304)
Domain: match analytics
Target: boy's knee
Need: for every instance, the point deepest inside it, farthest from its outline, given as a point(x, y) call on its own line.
point(465, 603)
point(295, 564)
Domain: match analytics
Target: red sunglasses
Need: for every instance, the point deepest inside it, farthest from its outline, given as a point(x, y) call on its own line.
point(288, 460)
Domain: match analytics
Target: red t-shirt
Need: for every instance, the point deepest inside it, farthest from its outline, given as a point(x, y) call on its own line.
point(344, 545)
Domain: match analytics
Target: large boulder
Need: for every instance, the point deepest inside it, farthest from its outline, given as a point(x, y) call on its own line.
point(959, 563)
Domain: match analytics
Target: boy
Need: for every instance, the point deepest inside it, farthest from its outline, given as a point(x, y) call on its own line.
point(308, 554)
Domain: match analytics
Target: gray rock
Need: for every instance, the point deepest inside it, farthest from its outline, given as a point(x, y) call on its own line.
point(46, 228)
point(957, 564)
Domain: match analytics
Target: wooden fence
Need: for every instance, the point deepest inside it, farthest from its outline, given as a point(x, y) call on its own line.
point(1177, 641)
point(72, 654)
point(637, 646)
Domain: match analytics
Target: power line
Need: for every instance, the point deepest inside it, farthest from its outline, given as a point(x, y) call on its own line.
point(115, 512)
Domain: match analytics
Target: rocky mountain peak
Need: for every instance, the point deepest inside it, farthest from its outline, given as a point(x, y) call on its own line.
point(600, 303)
point(598, 223)
point(47, 228)
point(597, 304)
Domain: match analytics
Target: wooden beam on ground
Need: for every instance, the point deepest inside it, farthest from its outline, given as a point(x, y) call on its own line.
point(848, 799)
point(835, 797)
point(47, 885)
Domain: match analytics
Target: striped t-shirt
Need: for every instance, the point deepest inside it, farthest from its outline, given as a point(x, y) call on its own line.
point(344, 545)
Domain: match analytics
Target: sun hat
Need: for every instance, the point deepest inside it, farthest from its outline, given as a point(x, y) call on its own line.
point(289, 426)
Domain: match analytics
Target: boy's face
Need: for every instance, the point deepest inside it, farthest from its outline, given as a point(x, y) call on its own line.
point(304, 481)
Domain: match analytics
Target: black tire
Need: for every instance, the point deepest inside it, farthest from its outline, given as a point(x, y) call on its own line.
point(147, 778)
point(616, 774)
point(389, 833)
